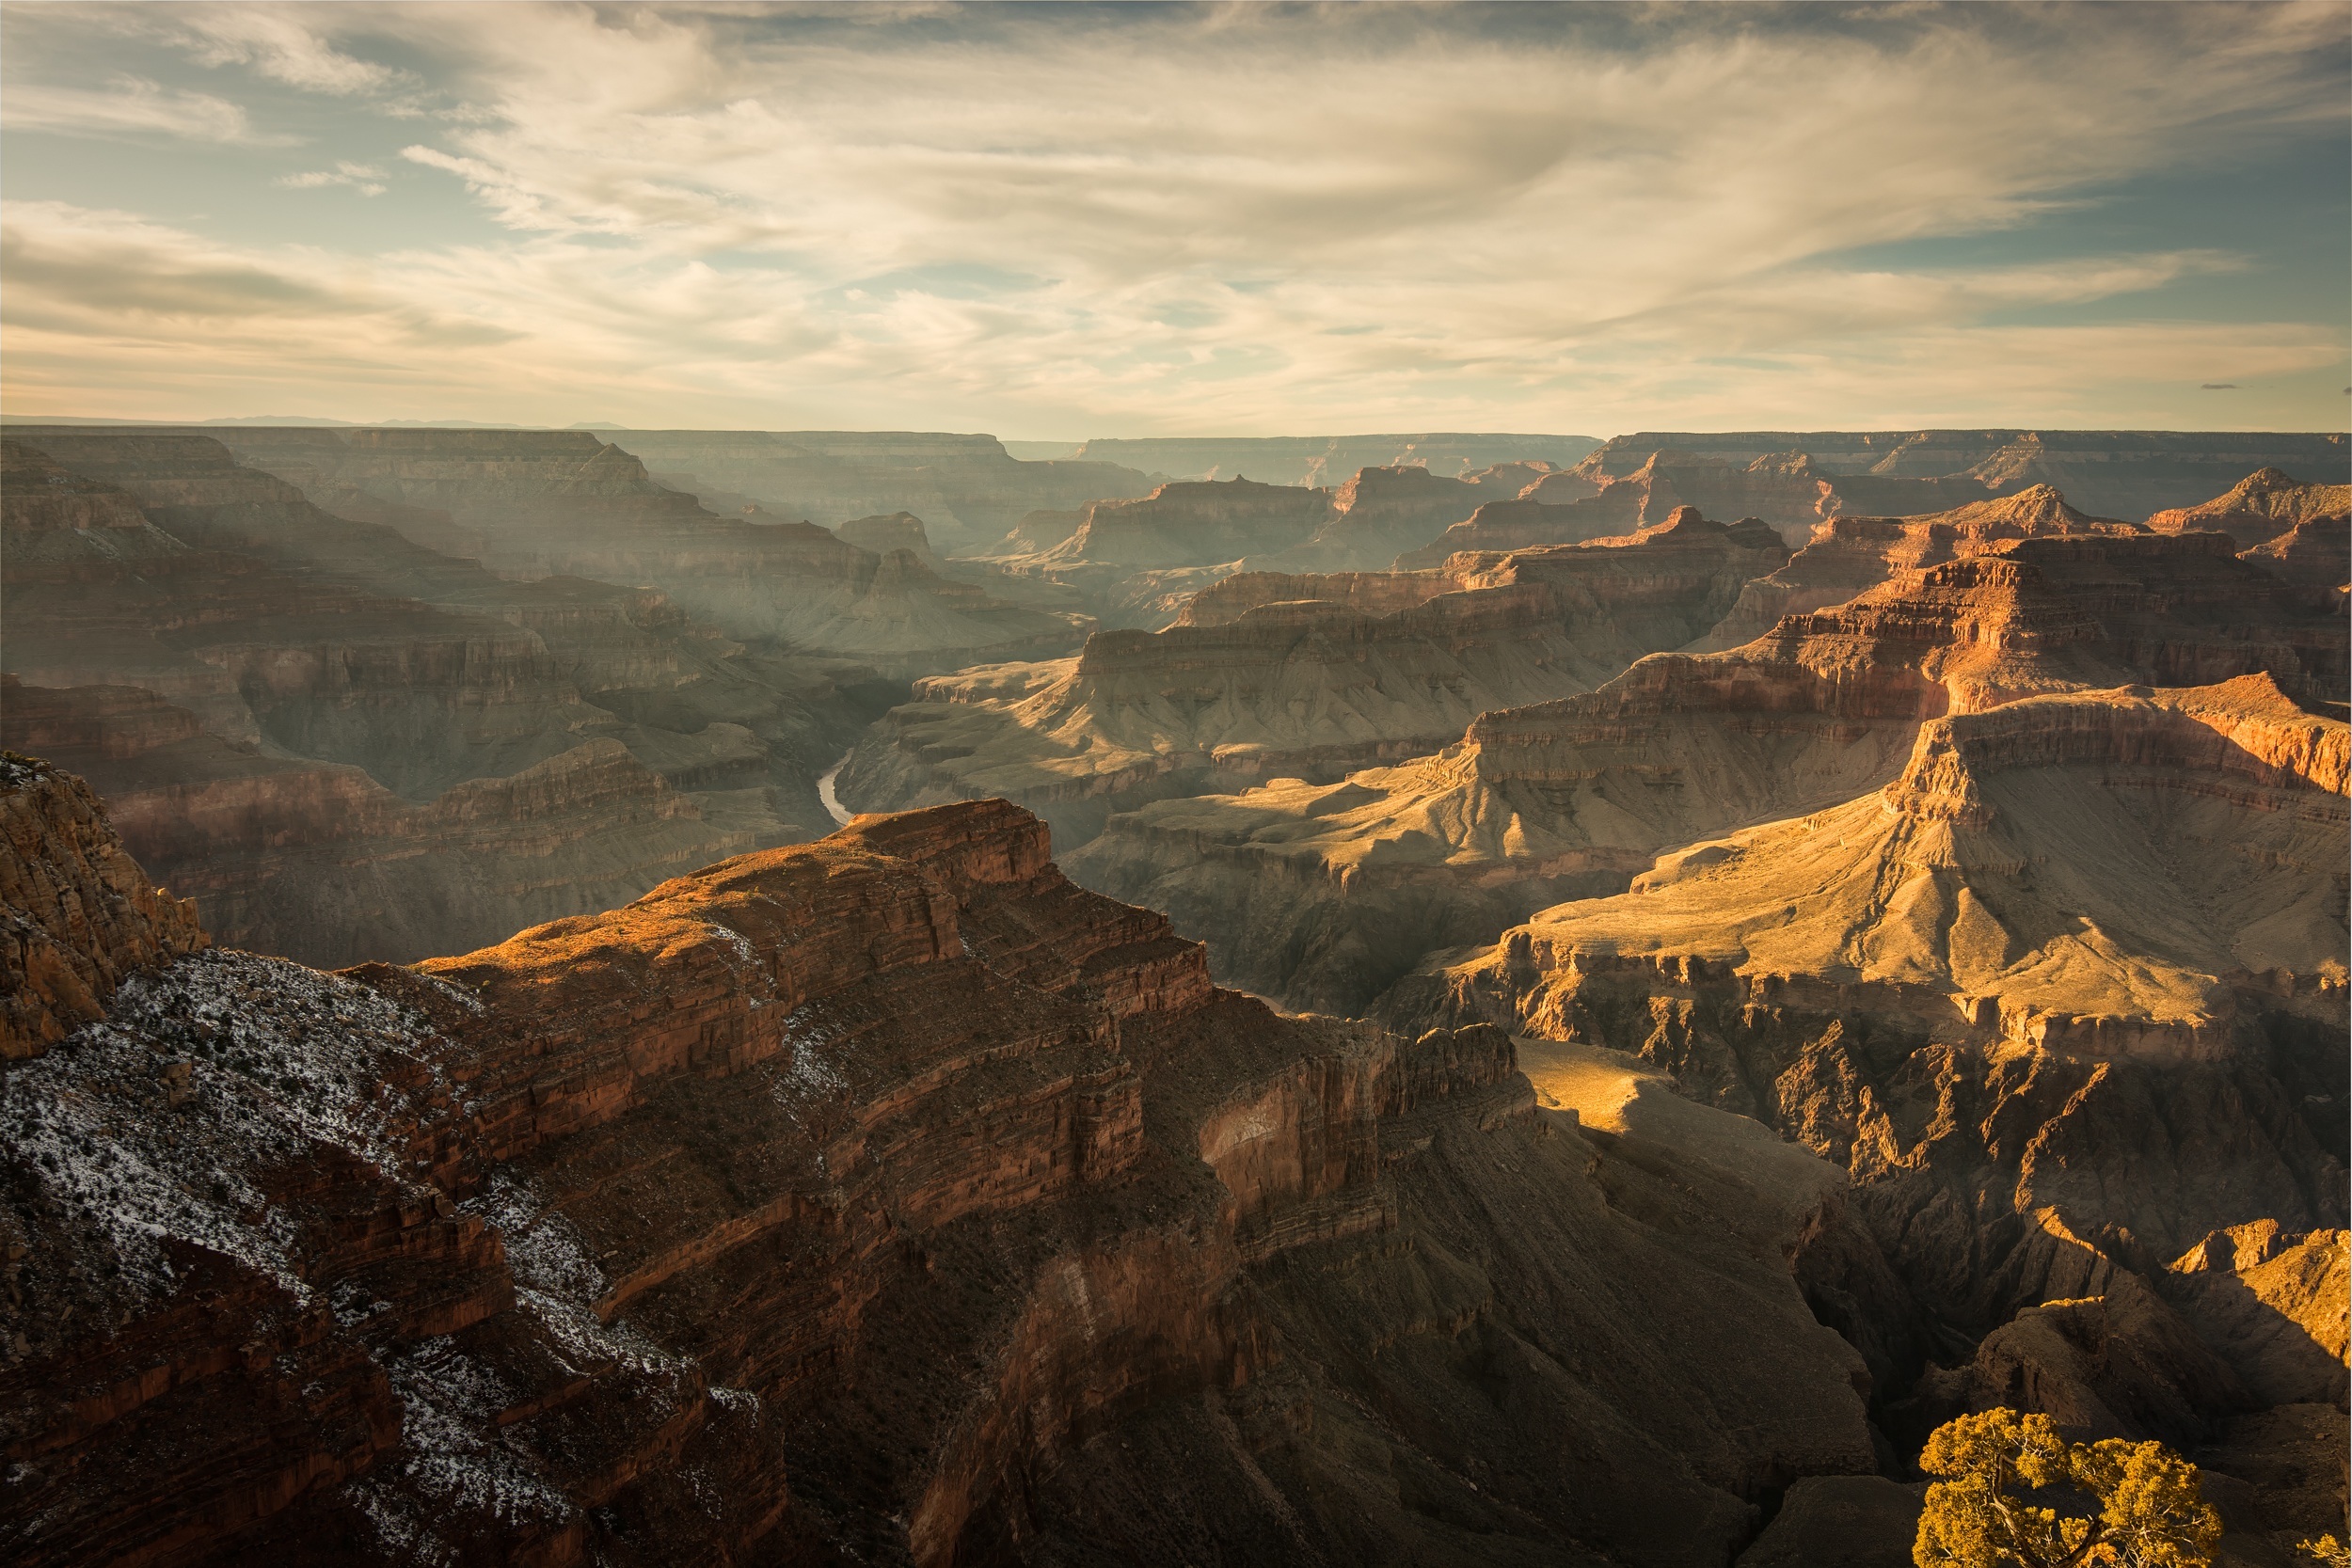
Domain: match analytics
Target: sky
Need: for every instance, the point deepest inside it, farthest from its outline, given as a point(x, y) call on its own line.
point(1065, 221)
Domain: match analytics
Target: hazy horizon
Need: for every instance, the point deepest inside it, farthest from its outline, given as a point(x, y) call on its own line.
point(1057, 223)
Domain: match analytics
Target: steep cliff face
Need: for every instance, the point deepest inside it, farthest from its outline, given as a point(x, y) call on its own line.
point(887, 1198)
point(1351, 670)
point(1326, 893)
point(2068, 1001)
point(885, 532)
point(1786, 489)
point(345, 678)
point(80, 916)
point(2303, 532)
point(2258, 508)
point(1849, 555)
point(1195, 525)
point(320, 862)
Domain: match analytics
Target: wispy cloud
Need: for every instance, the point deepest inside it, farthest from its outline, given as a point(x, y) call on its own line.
point(278, 41)
point(130, 106)
point(1254, 217)
point(367, 179)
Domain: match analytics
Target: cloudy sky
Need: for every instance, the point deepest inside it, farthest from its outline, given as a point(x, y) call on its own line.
point(1065, 221)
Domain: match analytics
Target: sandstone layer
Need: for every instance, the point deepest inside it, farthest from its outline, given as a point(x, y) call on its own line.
point(2258, 508)
point(1326, 893)
point(1849, 555)
point(1270, 674)
point(2068, 1001)
point(885, 1199)
point(77, 915)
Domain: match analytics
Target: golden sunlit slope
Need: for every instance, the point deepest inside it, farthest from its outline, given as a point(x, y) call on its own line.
point(2102, 871)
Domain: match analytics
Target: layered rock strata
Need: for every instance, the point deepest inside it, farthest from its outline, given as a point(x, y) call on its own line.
point(2115, 473)
point(345, 678)
point(968, 487)
point(1280, 674)
point(320, 862)
point(1342, 888)
point(2068, 1001)
point(77, 915)
point(882, 1198)
point(2303, 532)
point(2258, 508)
point(1849, 555)
point(535, 503)
point(1786, 489)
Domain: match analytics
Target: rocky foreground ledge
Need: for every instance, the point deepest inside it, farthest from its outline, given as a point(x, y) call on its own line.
point(888, 1198)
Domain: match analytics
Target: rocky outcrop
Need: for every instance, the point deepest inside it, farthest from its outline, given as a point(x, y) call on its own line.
point(1971, 899)
point(2302, 533)
point(1848, 556)
point(1203, 524)
point(1788, 490)
point(887, 1198)
point(1347, 671)
point(881, 534)
point(2066, 1000)
point(80, 916)
point(2111, 473)
point(2258, 508)
point(1327, 894)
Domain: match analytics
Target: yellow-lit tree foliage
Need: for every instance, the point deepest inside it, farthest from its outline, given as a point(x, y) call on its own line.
point(2012, 1494)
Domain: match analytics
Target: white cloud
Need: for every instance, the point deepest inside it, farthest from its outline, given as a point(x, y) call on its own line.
point(1237, 218)
point(367, 179)
point(276, 40)
point(130, 106)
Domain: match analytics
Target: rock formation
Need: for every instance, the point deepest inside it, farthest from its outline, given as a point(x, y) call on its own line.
point(77, 915)
point(2258, 508)
point(2303, 532)
point(291, 696)
point(1326, 893)
point(2115, 473)
point(1271, 675)
point(967, 487)
point(1327, 461)
point(1195, 525)
point(881, 534)
point(1849, 555)
point(882, 1198)
point(533, 503)
point(2068, 999)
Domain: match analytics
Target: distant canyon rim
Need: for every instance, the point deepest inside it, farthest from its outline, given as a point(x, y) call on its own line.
point(775, 997)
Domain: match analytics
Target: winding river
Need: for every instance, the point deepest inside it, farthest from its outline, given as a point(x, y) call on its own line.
point(825, 794)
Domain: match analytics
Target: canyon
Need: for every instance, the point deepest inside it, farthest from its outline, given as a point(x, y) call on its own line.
point(1346, 884)
point(357, 747)
point(884, 1197)
point(1500, 1000)
point(1271, 675)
